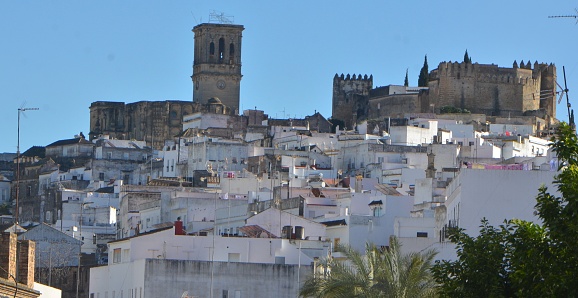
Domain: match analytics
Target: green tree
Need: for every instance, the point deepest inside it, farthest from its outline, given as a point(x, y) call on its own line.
point(482, 268)
point(521, 258)
point(406, 81)
point(423, 79)
point(378, 273)
point(467, 58)
point(5, 209)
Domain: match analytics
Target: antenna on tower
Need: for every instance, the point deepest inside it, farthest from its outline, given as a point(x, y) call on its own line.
point(567, 16)
point(220, 18)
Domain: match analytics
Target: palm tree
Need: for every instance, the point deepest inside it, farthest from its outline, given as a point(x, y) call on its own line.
point(378, 273)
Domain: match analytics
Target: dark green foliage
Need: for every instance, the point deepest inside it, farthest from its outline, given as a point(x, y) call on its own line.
point(406, 81)
point(482, 268)
point(378, 273)
point(336, 122)
point(5, 209)
point(467, 58)
point(520, 258)
point(453, 110)
point(423, 79)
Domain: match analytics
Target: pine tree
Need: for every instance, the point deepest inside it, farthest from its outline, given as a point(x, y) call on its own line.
point(423, 75)
point(406, 81)
point(467, 58)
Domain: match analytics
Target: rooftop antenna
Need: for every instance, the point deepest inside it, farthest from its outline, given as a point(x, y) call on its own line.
point(196, 22)
point(567, 16)
point(21, 111)
point(220, 18)
point(568, 105)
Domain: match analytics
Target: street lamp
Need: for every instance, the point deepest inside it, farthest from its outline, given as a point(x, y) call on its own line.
point(20, 111)
point(80, 247)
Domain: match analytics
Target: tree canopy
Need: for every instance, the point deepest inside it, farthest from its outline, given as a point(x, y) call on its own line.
point(406, 81)
point(378, 273)
point(423, 79)
point(467, 58)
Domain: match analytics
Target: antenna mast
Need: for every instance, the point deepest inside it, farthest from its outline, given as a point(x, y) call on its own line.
point(220, 18)
point(567, 16)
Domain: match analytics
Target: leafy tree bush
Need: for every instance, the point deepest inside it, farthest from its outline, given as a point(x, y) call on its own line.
point(378, 273)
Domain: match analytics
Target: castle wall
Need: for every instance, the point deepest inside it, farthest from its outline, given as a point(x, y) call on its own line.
point(393, 106)
point(350, 98)
point(490, 89)
point(150, 121)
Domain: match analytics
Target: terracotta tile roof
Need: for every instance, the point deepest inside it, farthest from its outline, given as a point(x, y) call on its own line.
point(255, 231)
point(387, 190)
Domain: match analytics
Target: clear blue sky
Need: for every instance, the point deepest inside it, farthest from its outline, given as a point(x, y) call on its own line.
point(61, 56)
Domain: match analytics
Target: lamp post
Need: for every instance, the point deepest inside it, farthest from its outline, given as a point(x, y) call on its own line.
point(80, 247)
point(20, 110)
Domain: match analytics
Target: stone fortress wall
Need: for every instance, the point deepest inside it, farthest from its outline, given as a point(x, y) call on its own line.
point(522, 90)
point(351, 97)
point(150, 121)
point(493, 90)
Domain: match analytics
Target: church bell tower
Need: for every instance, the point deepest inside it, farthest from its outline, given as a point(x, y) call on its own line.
point(217, 64)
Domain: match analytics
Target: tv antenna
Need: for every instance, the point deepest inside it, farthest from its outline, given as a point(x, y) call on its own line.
point(562, 92)
point(21, 111)
point(220, 18)
point(567, 16)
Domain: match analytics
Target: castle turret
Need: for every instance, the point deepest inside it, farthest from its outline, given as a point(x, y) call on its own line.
point(350, 97)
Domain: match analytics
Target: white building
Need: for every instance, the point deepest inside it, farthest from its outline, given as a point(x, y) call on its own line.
point(162, 264)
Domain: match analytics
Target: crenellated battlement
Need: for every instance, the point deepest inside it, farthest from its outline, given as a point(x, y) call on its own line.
point(353, 77)
point(494, 90)
point(524, 74)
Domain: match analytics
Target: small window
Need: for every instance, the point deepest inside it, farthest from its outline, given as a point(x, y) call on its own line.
point(212, 48)
point(422, 234)
point(101, 176)
point(221, 48)
point(116, 257)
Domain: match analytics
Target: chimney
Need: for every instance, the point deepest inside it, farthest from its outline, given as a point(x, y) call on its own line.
point(179, 230)
point(26, 262)
point(8, 244)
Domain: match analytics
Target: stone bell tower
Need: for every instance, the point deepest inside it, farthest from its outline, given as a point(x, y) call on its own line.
point(217, 64)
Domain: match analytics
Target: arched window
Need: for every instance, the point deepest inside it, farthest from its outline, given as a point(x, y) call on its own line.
point(231, 52)
point(212, 48)
point(221, 48)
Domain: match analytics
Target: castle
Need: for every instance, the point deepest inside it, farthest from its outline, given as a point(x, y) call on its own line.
point(522, 90)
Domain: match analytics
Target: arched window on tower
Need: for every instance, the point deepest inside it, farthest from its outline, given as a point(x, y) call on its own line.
point(212, 48)
point(231, 52)
point(221, 49)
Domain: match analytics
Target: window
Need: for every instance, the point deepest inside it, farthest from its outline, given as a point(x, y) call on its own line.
point(212, 48)
point(116, 258)
point(234, 257)
point(221, 48)
point(101, 176)
point(422, 234)
point(126, 254)
point(225, 293)
point(109, 154)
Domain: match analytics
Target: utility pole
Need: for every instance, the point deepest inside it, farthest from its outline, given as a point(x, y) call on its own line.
point(17, 210)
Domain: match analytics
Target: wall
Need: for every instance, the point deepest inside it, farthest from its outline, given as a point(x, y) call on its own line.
point(495, 195)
